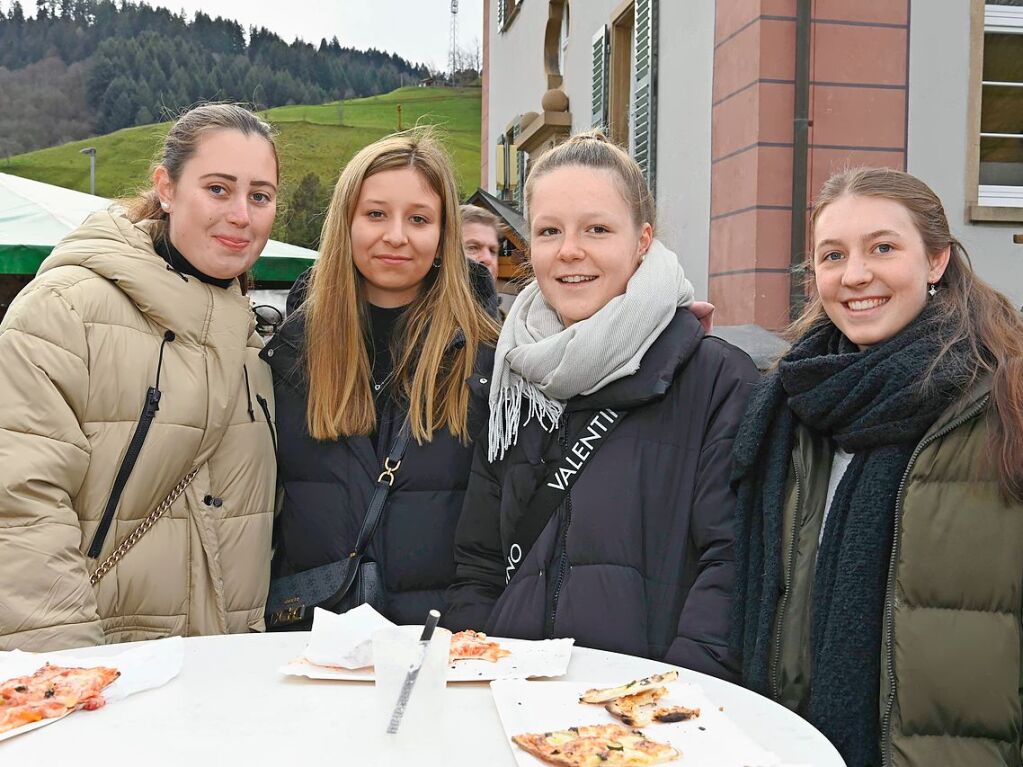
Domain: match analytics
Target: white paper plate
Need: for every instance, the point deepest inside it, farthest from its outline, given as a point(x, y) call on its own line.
point(528, 660)
point(143, 667)
point(710, 740)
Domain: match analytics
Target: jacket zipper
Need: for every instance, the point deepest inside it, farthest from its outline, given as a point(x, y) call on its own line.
point(889, 601)
point(566, 512)
point(248, 394)
point(266, 412)
point(789, 564)
point(562, 565)
point(131, 456)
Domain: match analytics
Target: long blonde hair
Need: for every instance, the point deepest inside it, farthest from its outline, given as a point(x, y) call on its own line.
point(430, 368)
point(982, 317)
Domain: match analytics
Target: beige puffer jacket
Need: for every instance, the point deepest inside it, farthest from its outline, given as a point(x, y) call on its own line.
point(79, 350)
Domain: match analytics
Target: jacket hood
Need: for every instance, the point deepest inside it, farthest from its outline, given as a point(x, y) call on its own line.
point(111, 246)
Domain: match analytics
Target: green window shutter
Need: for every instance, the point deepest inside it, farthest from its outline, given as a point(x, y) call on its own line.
point(601, 49)
point(520, 190)
point(645, 105)
point(519, 170)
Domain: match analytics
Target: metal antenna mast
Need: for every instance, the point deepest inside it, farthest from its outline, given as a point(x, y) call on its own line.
point(453, 46)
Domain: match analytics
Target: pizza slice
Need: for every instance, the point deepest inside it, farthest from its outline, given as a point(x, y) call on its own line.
point(52, 691)
point(636, 710)
point(636, 686)
point(602, 745)
point(474, 645)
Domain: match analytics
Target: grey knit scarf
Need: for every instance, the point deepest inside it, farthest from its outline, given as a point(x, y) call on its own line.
point(541, 361)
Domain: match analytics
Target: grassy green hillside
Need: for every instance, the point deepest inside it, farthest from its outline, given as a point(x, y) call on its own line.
point(319, 138)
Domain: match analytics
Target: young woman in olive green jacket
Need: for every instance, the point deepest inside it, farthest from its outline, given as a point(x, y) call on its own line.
point(880, 493)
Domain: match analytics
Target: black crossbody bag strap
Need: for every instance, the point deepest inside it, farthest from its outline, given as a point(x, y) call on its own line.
point(375, 510)
point(556, 485)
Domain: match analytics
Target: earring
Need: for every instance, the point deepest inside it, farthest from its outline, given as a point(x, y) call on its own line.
point(931, 290)
point(436, 263)
point(165, 205)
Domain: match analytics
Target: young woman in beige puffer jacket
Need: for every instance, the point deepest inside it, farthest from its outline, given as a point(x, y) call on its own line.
point(128, 367)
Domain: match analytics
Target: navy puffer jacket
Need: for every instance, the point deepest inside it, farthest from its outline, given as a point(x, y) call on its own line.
point(638, 559)
point(327, 485)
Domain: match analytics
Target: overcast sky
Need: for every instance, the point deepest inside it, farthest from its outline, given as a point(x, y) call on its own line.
point(415, 29)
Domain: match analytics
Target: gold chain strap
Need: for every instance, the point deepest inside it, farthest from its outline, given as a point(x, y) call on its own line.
point(136, 535)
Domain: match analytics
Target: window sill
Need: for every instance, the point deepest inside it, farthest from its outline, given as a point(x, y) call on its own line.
point(995, 214)
point(545, 127)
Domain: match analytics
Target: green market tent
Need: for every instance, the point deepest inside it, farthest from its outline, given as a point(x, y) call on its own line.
point(35, 216)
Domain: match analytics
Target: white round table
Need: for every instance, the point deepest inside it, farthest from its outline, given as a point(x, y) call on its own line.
point(230, 706)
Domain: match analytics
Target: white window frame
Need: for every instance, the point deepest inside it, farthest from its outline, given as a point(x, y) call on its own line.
point(992, 202)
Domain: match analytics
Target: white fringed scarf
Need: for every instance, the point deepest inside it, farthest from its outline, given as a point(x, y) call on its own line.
point(541, 361)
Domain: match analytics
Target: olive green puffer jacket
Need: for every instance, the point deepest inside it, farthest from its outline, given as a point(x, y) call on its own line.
point(952, 641)
point(81, 349)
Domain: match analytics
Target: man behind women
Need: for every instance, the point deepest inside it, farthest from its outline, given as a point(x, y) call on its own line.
point(636, 556)
point(880, 498)
point(141, 312)
point(481, 237)
point(390, 327)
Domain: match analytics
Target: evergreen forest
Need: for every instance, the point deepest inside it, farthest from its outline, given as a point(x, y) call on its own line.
point(84, 67)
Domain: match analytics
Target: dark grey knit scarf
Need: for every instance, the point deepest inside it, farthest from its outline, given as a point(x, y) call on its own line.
point(870, 403)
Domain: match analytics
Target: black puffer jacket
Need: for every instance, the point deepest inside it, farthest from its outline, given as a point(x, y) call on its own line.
point(328, 485)
point(639, 558)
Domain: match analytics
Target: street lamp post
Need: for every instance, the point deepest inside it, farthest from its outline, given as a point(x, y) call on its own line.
point(91, 151)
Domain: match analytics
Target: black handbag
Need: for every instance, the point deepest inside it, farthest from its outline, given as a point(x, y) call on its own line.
point(342, 585)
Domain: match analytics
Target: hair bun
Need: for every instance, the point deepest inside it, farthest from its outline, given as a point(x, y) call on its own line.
point(594, 134)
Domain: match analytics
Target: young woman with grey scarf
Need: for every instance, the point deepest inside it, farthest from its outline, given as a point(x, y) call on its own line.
point(879, 522)
point(636, 555)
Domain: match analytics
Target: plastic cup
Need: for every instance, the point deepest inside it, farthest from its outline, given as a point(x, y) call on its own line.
point(396, 651)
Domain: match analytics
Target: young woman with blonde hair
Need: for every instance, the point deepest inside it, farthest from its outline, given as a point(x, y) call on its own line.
point(134, 408)
point(388, 327)
point(880, 493)
point(600, 508)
